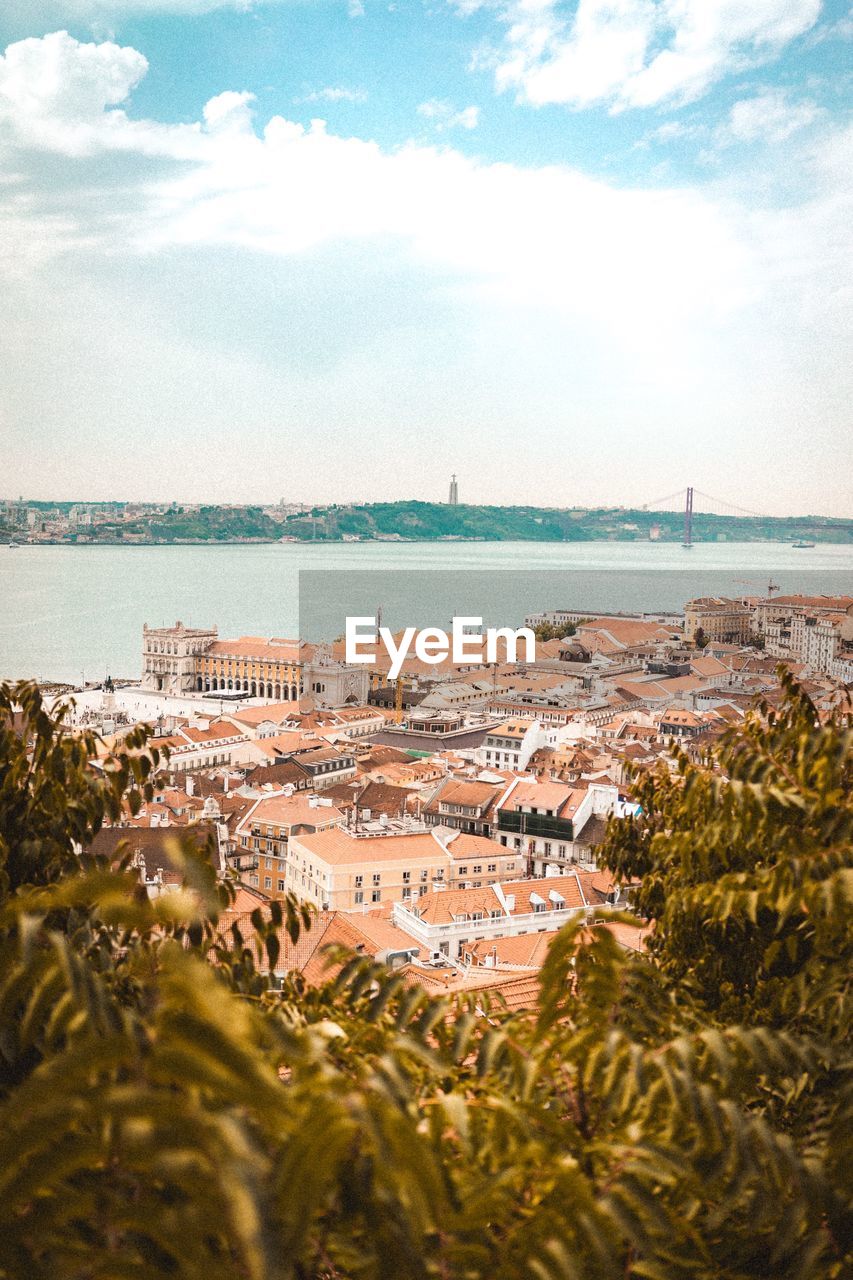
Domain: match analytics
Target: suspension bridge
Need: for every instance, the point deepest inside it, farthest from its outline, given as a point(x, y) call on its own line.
point(686, 500)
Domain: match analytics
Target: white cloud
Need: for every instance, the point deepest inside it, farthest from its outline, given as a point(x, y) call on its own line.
point(166, 282)
point(229, 112)
point(334, 93)
point(64, 95)
point(840, 29)
point(672, 129)
point(58, 77)
point(768, 117)
point(638, 53)
point(548, 236)
point(641, 266)
point(445, 116)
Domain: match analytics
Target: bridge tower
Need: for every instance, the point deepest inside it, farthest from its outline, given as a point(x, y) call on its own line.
point(688, 518)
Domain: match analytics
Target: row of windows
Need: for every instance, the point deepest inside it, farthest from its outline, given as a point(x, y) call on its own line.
point(407, 876)
point(268, 883)
point(376, 894)
point(546, 848)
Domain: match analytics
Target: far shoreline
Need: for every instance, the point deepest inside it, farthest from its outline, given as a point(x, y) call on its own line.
point(442, 542)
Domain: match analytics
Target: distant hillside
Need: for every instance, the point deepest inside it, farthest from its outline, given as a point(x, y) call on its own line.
point(431, 521)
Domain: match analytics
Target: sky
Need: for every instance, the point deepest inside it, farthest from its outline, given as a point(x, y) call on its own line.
point(579, 253)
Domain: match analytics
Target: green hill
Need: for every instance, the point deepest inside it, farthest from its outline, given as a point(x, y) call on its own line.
point(432, 521)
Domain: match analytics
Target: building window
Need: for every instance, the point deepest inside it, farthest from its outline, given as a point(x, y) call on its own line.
point(547, 848)
point(463, 871)
point(376, 877)
point(493, 866)
point(267, 882)
point(281, 886)
point(359, 880)
point(510, 866)
point(423, 875)
point(359, 897)
point(376, 895)
point(407, 875)
point(478, 869)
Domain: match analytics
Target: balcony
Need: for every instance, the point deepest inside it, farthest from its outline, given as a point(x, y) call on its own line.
point(245, 862)
point(535, 824)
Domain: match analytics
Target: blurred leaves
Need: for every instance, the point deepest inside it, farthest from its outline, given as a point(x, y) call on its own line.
point(166, 1108)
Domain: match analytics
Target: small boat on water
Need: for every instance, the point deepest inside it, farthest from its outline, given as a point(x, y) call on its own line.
point(802, 545)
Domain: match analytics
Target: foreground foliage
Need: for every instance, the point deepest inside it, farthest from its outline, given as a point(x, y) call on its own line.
point(678, 1115)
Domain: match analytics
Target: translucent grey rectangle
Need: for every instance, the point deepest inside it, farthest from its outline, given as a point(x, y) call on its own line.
point(504, 598)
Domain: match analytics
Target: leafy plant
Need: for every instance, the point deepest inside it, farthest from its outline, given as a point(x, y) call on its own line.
point(166, 1110)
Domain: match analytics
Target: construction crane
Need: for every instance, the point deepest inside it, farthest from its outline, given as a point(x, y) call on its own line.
point(398, 700)
point(753, 582)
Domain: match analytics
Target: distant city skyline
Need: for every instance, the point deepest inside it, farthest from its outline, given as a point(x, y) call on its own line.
point(452, 499)
point(582, 252)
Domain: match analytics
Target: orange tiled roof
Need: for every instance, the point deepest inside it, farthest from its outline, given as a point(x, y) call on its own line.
point(445, 905)
point(337, 847)
point(512, 728)
point(290, 811)
point(558, 796)
point(624, 632)
point(215, 731)
point(277, 712)
point(370, 935)
point(467, 792)
point(631, 937)
point(812, 602)
point(527, 950)
point(463, 845)
point(275, 650)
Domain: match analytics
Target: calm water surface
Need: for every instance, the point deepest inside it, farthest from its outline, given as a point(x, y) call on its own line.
point(66, 612)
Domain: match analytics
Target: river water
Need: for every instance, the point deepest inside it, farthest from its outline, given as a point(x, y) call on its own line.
point(69, 613)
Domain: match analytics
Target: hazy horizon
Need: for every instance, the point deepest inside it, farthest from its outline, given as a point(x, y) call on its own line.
point(358, 502)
